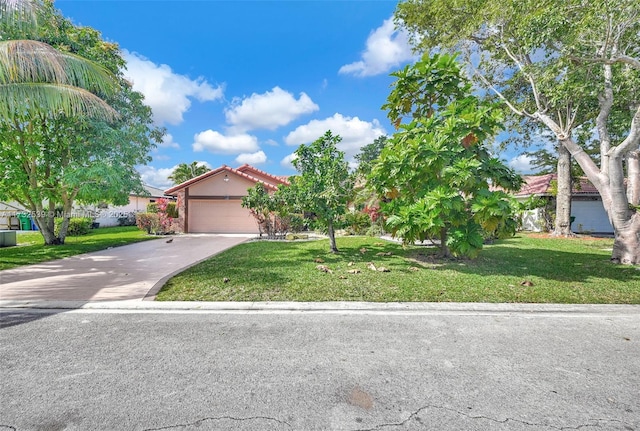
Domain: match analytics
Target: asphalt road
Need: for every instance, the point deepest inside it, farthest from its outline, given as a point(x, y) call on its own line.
point(185, 370)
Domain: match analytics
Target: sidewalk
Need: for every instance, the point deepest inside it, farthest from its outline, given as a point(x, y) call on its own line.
point(133, 272)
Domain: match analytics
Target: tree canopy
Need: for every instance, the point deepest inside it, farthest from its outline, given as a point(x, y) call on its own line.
point(184, 172)
point(562, 66)
point(324, 185)
point(56, 154)
point(436, 177)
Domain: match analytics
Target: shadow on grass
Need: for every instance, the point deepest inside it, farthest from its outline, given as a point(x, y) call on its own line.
point(514, 258)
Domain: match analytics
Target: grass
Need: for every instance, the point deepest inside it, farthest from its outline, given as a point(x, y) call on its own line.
point(561, 271)
point(31, 248)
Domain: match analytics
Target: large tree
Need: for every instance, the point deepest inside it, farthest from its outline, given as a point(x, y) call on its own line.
point(70, 125)
point(436, 176)
point(324, 185)
point(184, 172)
point(563, 66)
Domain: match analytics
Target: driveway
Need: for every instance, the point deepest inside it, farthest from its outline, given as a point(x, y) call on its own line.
point(131, 272)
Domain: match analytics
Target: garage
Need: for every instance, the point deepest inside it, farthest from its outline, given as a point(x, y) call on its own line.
point(220, 216)
point(590, 217)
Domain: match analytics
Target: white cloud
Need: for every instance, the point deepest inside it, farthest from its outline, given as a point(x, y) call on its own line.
point(156, 177)
point(271, 143)
point(168, 142)
point(167, 93)
point(215, 142)
point(386, 48)
point(256, 158)
point(522, 164)
point(269, 110)
point(354, 132)
point(287, 162)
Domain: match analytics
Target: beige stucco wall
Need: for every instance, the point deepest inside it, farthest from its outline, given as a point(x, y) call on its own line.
point(216, 186)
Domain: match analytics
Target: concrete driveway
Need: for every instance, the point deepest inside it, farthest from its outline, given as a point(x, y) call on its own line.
point(132, 272)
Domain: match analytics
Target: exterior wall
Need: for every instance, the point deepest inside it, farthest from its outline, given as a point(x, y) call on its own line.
point(216, 186)
point(590, 217)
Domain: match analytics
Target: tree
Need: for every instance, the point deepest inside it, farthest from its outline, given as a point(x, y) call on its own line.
point(57, 149)
point(272, 211)
point(436, 177)
point(324, 185)
point(184, 172)
point(563, 66)
point(369, 153)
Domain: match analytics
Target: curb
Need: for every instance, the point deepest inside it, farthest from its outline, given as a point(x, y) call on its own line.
point(330, 307)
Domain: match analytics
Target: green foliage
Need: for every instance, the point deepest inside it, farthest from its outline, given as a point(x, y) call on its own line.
point(435, 176)
point(369, 153)
point(149, 222)
point(152, 207)
point(172, 210)
point(272, 211)
point(356, 222)
point(61, 156)
point(77, 225)
point(324, 185)
point(184, 172)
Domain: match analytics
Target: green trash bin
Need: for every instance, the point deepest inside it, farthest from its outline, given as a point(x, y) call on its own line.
point(25, 221)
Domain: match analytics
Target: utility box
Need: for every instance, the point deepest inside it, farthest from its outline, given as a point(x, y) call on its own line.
point(8, 238)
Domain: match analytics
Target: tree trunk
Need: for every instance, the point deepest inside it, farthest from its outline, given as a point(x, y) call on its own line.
point(332, 237)
point(563, 199)
point(444, 249)
point(626, 248)
point(633, 175)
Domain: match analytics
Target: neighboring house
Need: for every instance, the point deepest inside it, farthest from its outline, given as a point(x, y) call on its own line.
point(9, 215)
point(105, 215)
point(109, 216)
point(212, 202)
point(586, 205)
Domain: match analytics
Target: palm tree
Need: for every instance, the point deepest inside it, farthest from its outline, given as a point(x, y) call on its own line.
point(37, 79)
point(184, 172)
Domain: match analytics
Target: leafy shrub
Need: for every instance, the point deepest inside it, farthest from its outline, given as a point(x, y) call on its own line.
point(148, 221)
point(77, 225)
point(127, 220)
point(152, 208)
point(172, 210)
point(356, 223)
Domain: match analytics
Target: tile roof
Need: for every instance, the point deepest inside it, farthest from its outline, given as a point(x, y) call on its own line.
point(541, 185)
point(270, 185)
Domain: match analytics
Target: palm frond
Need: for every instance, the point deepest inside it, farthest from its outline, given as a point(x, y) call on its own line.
point(30, 61)
point(27, 99)
point(20, 13)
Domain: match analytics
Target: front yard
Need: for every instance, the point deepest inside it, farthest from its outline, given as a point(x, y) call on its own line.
point(522, 269)
point(31, 248)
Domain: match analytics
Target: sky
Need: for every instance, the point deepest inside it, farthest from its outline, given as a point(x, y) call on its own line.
point(237, 82)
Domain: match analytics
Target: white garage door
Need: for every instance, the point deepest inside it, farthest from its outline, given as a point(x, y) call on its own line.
point(220, 216)
point(590, 217)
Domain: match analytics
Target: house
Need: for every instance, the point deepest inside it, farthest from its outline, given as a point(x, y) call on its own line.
point(212, 202)
point(105, 215)
point(586, 204)
point(109, 215)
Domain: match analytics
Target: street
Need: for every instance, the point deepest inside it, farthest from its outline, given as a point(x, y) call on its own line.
point(188, 370)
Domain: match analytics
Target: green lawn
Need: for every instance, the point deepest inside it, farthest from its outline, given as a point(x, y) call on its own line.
point(31, 248)
point(561, 270)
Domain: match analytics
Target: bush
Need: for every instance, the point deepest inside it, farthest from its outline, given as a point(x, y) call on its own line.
point(152, 208)
point(172, 210)
point(148, 221)
point(77, 226)
point(356, 223)
point(127, 220)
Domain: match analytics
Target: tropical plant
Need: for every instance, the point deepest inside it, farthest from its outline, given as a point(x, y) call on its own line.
point(435, 177)
point(560, 67)
point(184, 172)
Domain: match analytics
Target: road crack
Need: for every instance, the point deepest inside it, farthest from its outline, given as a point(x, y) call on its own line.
point(219, 418)
point(595, 422)
point(8, 427)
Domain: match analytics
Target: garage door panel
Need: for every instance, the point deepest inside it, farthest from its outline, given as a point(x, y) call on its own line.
point(220, 216)
point(590, 217)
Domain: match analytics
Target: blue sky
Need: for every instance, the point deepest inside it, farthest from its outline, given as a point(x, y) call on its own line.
point(249, 81)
